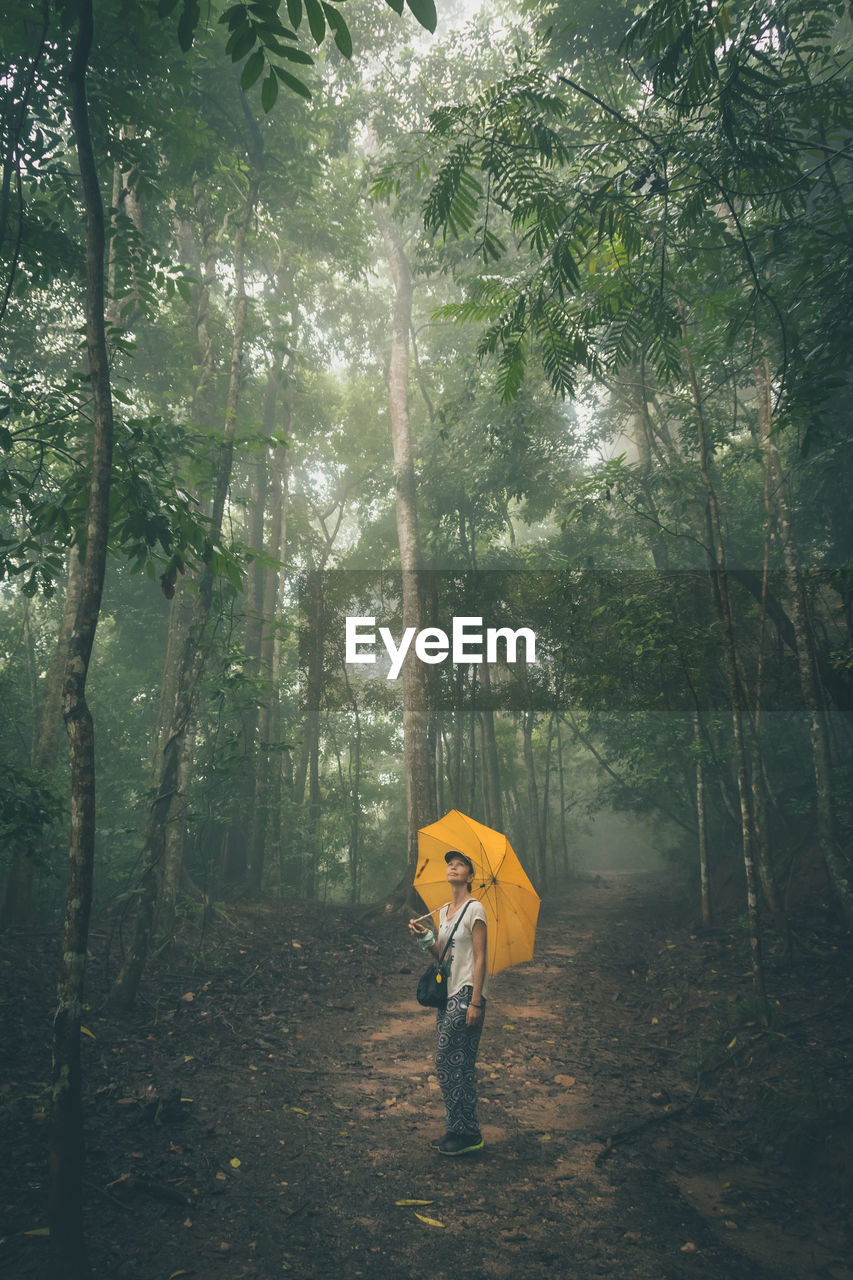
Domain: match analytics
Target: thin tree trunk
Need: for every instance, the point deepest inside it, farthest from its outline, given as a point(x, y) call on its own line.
point(546, 790)
point(125, 987)
point(313, 699)
point(419, 781)
point(568, 860)
point(535, 827)
point(759, 796)
point(702, 826)
point(491, 763)
point(720, 588)
point(66, 1141)
point(18, 894)
point(837, 865)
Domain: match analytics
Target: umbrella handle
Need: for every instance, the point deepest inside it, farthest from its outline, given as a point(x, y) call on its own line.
point(428, 916)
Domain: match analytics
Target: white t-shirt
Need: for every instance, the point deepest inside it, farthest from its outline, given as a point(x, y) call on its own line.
point(461, 953)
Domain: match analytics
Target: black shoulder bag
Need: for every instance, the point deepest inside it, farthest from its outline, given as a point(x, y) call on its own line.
point(432, 988)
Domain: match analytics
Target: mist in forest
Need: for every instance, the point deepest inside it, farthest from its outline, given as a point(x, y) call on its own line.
point(507, 318)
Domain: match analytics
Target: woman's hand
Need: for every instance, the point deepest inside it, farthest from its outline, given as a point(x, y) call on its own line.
point(474, 1014)
point(418, 930)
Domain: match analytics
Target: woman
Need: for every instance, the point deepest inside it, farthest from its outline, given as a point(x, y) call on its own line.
point(460, 1023)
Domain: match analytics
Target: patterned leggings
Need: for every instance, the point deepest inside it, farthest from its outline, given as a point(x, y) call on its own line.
point(455, 1059)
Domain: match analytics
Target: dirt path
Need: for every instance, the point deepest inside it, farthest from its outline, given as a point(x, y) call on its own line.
point(271, 1115)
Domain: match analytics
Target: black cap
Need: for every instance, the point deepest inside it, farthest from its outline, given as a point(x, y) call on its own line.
point(454, 853)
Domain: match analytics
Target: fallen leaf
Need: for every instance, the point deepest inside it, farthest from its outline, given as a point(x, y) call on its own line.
point(509, 1026)
point(300, 1111)
point(411, 1202)
point(189, 997)
point(431, 1222)
point(729, 1225)
point(86, 1032)
point(690, 1247)
point(566, 1081)
point(544, 1137)
point(235, 1162)
point(221, 1177)
point(732, 1042)
point(38, 1231)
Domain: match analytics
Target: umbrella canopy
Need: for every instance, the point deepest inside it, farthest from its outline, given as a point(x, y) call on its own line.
point(500, 883)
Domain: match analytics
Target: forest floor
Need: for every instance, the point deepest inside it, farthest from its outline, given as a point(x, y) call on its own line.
point(268, 1108)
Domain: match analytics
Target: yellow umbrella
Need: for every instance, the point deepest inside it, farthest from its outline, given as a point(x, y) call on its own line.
point(500, 883)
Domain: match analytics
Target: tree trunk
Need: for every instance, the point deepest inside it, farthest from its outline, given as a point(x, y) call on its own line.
point(267, 793)
point(568, 860)
point(837, 865)
point(419, 782)
point(66, 1140)
point(125, 987)
point(720, 587)
point(313, 700)
point(702, 826)
point(759, 796)
point(491, 763)
point(534, 827)
point(17, 905)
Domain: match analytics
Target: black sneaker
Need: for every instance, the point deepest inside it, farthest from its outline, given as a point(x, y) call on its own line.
point(458, 1144)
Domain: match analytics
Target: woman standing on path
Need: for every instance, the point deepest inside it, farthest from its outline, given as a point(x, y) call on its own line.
point(460, 1023)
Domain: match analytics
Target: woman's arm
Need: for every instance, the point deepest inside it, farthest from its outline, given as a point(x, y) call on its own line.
point(479, 942)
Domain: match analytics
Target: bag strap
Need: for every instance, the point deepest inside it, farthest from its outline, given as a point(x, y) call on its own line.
point(455, 927)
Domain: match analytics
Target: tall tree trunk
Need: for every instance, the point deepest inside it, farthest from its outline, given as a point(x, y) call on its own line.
point(354, 850)
point(313, 700)
point(720, 587)
point(838, 866)
point(534, 824)
point(568, 860)
point(170, 874)
point(17, 905)
point(419, 781)
point(268, 840)
point(545, 828)
point(125, 987)
point(269, 649)
point(702, 825)
point(66, 1141)
point(491, 763)
point(759, 796)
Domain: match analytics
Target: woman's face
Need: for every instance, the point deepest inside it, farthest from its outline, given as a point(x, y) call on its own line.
point(458, 871)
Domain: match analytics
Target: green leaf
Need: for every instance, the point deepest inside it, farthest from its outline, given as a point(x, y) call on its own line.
point(396, 5)
point(292, 83)
point(297, 55)
point(269, 92)
point(294, 12)
point(424, 11)
point(316, 20)
point(252, 70)
point(343, 39)
point(240, 42)
point(165, 7)
point(187, 24)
